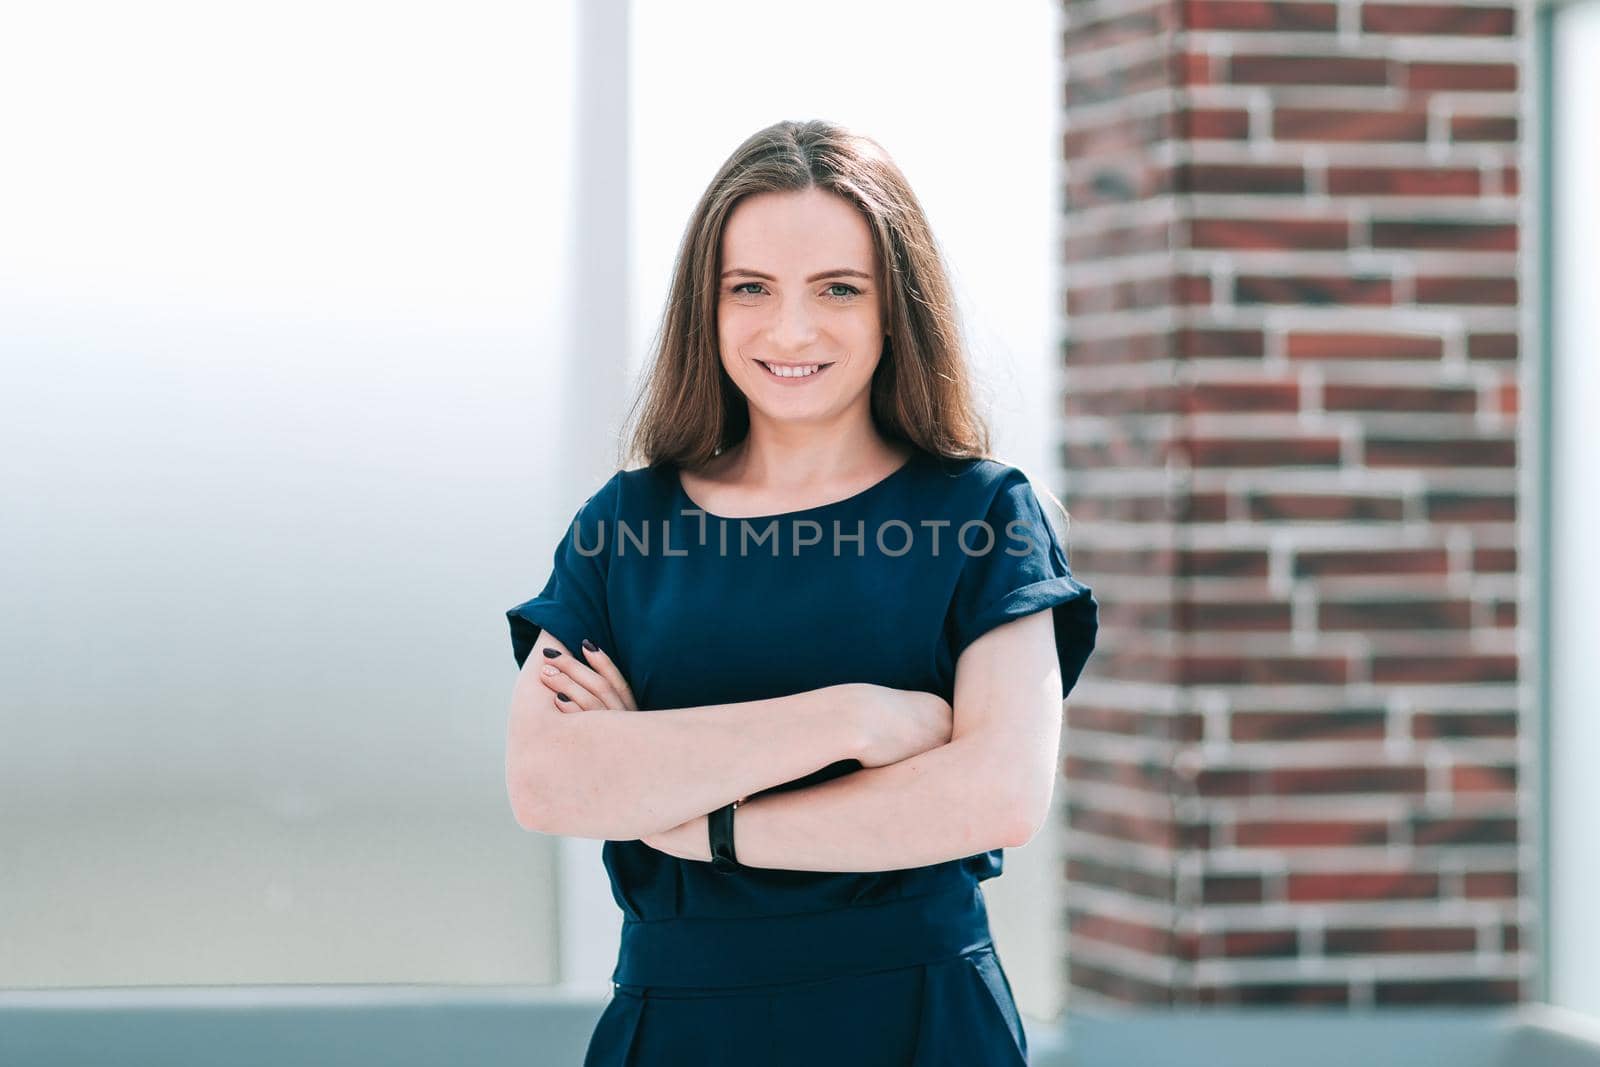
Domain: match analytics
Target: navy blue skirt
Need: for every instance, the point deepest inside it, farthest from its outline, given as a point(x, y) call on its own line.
point(913, 982)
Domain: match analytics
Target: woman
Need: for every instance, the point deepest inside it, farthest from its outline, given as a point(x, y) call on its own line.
point(850, 630)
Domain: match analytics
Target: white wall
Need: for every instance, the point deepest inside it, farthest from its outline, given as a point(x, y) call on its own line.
point(1573, 858)
point(282, 318)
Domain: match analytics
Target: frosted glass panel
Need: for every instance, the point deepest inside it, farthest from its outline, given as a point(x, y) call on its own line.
point(1574, 854)
point(281, 286)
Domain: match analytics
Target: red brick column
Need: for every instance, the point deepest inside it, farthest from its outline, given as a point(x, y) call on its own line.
point(1291, 241)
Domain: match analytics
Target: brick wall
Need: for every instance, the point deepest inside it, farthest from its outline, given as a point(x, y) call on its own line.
point(1296, 771)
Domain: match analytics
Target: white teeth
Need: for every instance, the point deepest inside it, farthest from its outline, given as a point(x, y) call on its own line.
point(792, 372)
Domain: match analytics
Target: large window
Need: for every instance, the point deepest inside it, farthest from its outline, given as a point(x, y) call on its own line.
point(281, 289)
point(304, 308)
point(1571, 577)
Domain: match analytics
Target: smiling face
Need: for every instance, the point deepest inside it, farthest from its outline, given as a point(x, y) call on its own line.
point(799, 288)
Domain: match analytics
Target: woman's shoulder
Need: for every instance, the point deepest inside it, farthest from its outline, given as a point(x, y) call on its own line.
point(998, 492)
point(632, 493)
point(973, 480)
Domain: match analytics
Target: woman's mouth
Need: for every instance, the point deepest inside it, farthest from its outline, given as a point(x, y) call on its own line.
point(798, 373)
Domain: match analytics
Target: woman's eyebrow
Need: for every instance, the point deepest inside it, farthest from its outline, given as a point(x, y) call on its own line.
point(836, 273)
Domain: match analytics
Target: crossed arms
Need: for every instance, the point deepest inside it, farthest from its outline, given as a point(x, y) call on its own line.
point(616, 774)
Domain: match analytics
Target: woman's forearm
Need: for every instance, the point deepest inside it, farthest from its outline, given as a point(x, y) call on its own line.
point(943, 804)
point(619, 775)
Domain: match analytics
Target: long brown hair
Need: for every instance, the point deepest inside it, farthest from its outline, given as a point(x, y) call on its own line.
point(921, 391)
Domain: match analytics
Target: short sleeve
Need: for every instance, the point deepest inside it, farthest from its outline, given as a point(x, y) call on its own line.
point(572, 604)
point(1023, 571)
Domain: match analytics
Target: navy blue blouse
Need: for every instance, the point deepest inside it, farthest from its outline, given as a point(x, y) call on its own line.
point(886, 586)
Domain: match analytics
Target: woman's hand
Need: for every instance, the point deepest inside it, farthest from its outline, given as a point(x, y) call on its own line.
point(585, 687)
point(902, 723)
point(600, 684)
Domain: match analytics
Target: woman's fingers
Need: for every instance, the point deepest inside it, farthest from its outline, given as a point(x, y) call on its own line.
point(608, 670)
point(601, 683)
point(592, 680)
point(570, 696)
point(584, 676)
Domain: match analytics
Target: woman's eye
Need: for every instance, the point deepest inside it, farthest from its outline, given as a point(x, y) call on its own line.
point(849, 290)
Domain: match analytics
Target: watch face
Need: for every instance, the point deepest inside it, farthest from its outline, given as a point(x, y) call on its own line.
point(719, 824)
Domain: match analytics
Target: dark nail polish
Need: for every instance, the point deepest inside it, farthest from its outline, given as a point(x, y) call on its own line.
point(551, 653)
point(562, 696)
point(590, 645)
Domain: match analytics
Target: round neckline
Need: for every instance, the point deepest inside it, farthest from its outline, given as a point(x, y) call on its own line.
point(677, 481)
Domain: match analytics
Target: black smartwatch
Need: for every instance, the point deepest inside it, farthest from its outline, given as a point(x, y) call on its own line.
point(720, 825)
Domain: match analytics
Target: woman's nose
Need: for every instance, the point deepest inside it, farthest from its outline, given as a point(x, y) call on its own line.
point(794, 324)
